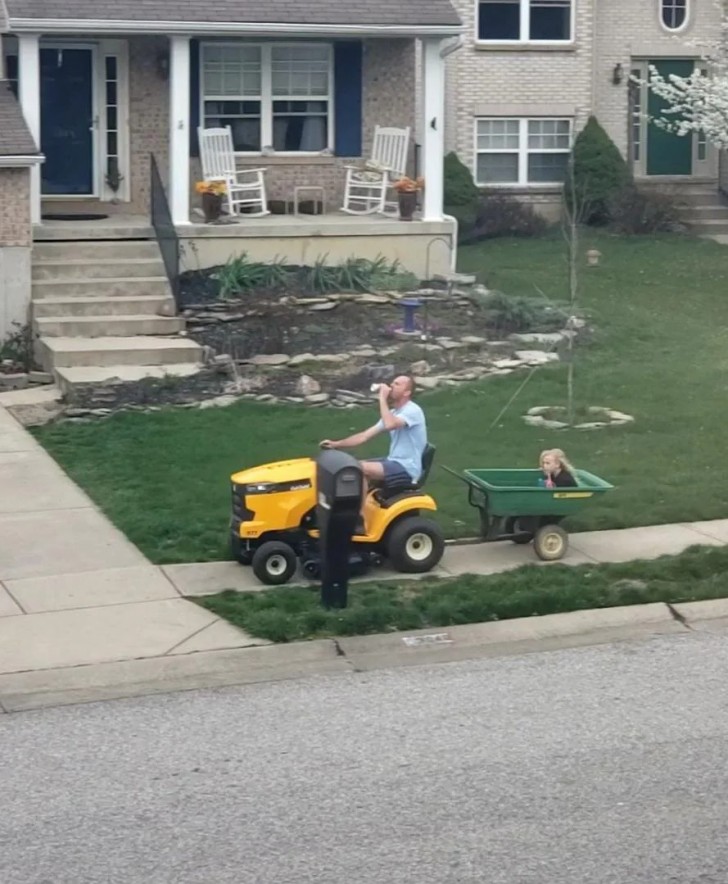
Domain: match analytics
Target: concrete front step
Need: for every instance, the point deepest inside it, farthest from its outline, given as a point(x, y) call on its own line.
point(66, 378)
point(97, 268)
point(67, 352)
point(106, 288)
point(709, 226)
point(136, 305)
point(705, 213)
point(96, 251)
point(112, 326)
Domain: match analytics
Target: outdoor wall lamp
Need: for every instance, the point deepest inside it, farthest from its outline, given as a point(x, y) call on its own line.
point(617, 74)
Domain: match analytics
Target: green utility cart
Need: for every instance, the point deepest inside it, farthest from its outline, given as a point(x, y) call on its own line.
point(514, 505)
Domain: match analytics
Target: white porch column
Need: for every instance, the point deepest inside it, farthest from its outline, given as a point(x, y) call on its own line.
point(179, 129)
point(433, 141)
point(29, 97)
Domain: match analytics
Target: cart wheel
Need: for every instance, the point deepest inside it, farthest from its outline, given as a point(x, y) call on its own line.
point(551, 543)
point(274, 563)
point(415, 545)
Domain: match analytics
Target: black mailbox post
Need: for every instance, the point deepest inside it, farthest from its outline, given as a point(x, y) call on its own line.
point(339, 481)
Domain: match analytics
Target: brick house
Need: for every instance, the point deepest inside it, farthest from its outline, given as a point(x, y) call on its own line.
point(532, 71)
point(128, 65)
point(104, 86)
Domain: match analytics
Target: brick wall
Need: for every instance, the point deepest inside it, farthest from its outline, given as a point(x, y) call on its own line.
point(15, 229)
point(388, 100)
point(485, 81)
point(149, 118)
point(15, 247)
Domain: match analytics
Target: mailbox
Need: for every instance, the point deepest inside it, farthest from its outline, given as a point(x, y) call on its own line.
point(339, 483)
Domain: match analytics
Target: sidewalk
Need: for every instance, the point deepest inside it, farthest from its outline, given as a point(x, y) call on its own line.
point(75, 593)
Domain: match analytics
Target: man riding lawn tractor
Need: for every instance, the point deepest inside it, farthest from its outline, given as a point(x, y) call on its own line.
point(273, 524)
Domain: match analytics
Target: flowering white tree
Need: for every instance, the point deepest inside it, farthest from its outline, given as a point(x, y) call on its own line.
point(698, 103)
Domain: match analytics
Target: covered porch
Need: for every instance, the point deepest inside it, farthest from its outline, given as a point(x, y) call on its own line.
point(141, 88)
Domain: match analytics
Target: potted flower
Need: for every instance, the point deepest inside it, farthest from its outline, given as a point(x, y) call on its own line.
point(212, 193)
point(407, 189)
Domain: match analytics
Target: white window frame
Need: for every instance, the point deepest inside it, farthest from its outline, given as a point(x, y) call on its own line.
point(267, 98)
point(523, 153)
point(661, 6)
point(525, 28)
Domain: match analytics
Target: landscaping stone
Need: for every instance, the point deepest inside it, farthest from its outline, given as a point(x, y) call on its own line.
point(473, 340)
point(13, 381)
point(422, 366)
point(536, 357)
point(218, 402)
point(456, 278)
point(307, 386)
point(426, 383)
point(39, 377)
point(373, 299)
point(270, 359)
point(300, 359)
point(265, 397)
point(325, 305)
point(507, 363)
point(317, 399)
point(547, 339)
point(352, 396)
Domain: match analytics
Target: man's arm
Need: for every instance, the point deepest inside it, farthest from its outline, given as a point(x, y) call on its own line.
point(390, 421)
point(353, 441)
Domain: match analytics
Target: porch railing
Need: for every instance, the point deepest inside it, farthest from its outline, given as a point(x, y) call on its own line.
point(164, 229)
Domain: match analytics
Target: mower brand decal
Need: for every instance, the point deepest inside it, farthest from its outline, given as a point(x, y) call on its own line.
point(435, 638)
point(564, 495)
point(299, 486)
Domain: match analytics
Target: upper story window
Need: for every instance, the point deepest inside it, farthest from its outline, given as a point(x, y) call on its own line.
point(525, 21)
point(674, 14)
point(272, 95)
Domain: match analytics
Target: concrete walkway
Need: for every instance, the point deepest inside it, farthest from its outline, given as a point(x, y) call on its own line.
point(74, 592)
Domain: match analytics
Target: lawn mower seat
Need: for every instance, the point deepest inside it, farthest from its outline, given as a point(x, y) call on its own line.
point(392, 492)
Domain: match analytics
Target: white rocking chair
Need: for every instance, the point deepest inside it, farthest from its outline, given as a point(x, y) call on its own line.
point(366, 188)
point(244, 188)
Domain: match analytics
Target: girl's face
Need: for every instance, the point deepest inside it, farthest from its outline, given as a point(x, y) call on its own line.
point(549, 464)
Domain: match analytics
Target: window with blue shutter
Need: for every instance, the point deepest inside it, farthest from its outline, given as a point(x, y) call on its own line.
point(348, 98)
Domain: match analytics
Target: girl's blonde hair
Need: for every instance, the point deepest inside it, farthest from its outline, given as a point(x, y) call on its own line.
point(560, 457)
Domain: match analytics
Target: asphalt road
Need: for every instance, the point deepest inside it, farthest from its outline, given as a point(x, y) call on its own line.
point(602, 764)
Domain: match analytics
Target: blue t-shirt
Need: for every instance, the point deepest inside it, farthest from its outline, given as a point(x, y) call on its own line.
point(407, 444)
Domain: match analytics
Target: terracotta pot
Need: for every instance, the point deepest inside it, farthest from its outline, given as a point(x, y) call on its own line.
point(407, 205)
point(211, 206)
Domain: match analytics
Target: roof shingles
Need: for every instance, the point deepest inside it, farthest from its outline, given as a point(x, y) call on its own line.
point(324, 12)
point(15, 137)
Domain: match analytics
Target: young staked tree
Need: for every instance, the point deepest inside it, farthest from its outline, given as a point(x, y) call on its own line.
point(698, 103)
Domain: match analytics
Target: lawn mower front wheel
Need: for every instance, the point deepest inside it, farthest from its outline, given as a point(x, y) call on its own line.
point(274, 563)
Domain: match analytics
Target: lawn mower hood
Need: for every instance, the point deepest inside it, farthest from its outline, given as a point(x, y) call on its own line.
point(282, 476)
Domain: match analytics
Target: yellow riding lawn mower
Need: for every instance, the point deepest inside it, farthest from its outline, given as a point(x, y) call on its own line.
point(273, 524)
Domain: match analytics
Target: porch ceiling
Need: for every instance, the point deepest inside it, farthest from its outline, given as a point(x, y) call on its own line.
point(275, 16)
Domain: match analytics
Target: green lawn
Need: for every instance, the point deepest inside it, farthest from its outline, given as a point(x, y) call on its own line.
point(294, 613)
point(660, 306)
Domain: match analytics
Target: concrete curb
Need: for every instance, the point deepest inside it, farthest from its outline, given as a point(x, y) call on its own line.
point(252, 665)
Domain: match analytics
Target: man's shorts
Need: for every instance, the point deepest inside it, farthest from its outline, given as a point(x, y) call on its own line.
point(394, 473)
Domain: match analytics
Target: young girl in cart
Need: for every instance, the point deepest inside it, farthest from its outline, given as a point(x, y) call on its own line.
point(558, 472)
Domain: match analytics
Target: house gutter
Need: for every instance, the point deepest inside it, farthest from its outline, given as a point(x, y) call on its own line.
point(258, 29)
point(444, 52)
point(21, 161)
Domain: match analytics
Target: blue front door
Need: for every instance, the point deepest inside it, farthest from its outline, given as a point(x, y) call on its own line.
point(66, 121)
